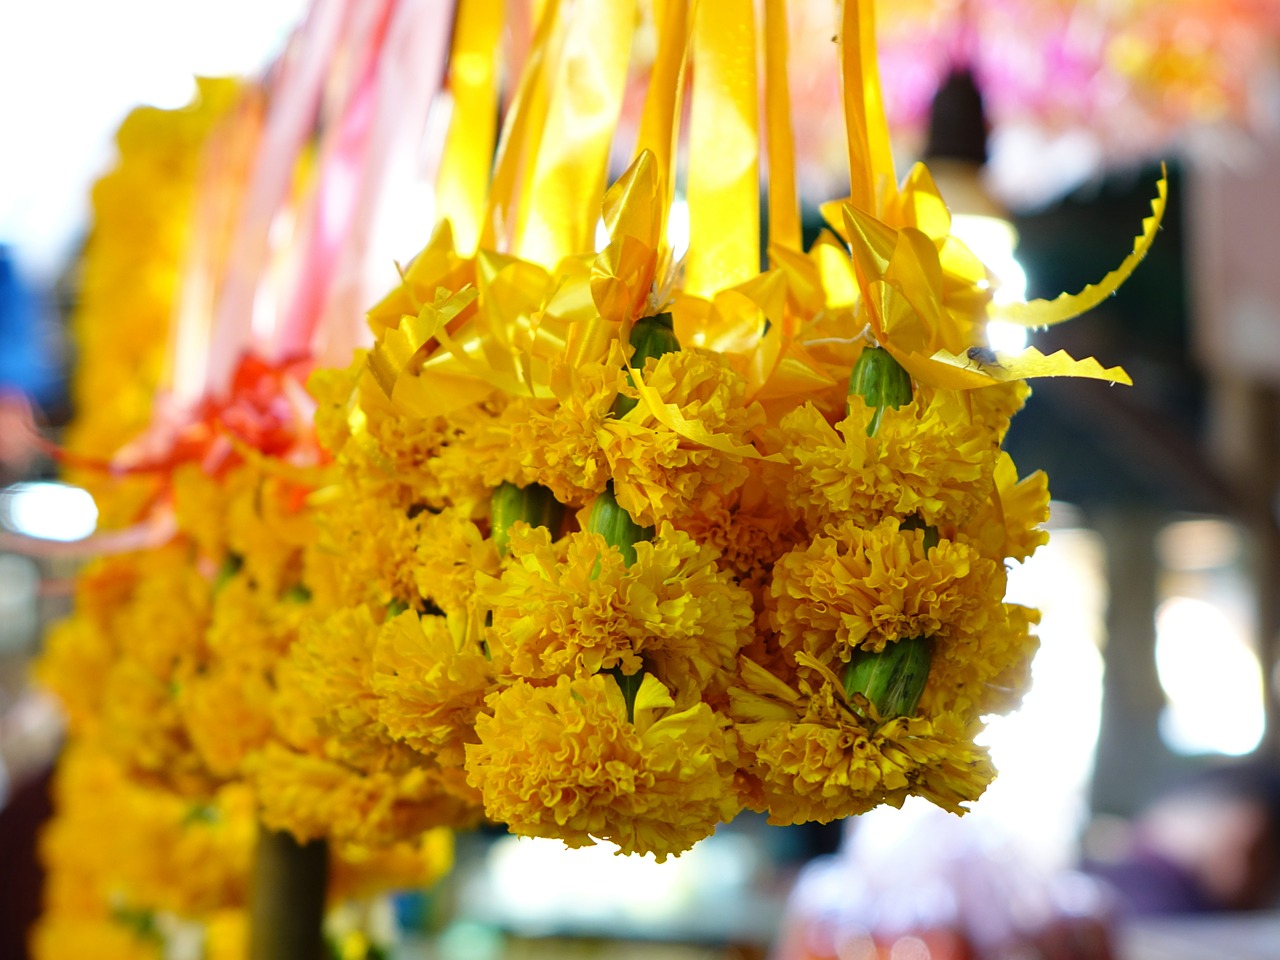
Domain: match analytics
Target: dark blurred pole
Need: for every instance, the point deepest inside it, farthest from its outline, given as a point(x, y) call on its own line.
point(287, 899)
point(1244, 434)
point(1131, 754)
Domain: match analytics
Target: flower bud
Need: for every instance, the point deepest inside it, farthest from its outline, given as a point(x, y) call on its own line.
point(534, 504)
point(881, 382)
point(650, 337)
point(892, 679)
point(616, 526)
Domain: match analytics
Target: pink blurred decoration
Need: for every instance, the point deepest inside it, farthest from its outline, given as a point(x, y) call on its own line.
point(1071, 86)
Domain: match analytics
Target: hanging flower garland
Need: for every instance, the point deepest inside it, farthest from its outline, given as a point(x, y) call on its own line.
point(713, 538)
point(597, 544)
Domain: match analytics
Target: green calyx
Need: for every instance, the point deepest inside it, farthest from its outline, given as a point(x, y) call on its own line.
point(616, 526)
point(534, 504)
point(931, 536)
point(650, 337)
point(892, 679)
point(629, 684)
point(881, 382)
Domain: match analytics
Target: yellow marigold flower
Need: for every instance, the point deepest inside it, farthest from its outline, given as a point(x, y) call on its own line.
point(364, 550)
point(995, 405)
point(574, 608)
point(334, 391)
point(750, 526)
point(659, 474)
point(929, 459)
point(77, 655)
point(313, 797)
point(852, 588)
point(226, 935)
point(482, 452)
point(226, 710)
point(248, 514)
point(333, 661)
point(166, 617)
point(816, 759)
point(431, 681)
point(450, 552)
point(1010, 523)
point(357, 872)
point(117, 844)
point(564, 761)
point(982, 674)
point(432, 461)
point(561, 444)
point(119, 661)
point(142, 725)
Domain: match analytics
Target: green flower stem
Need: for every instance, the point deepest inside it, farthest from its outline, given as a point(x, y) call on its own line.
point(534, 504)
point(650, 337)
point(286, 902)
point(618, 529)
point(881, 382)
point(892, 679)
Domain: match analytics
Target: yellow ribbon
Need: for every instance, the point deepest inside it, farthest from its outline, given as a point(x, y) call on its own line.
point(724, 149)
point(784, 209)
point(871, 172)
point(521, 132)
point(463, 181)
point(1043, 313)
point(561, 202)
point(661, 117)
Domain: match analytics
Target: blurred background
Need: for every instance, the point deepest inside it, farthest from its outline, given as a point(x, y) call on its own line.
point(1148, 753)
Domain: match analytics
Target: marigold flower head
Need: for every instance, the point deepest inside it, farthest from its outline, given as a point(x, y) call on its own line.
point(816, 758)
point(430, 680)
point(226, 710)
point(333, 664)
point(561, 444)
point(854, 588)
point(987, 673)
point(1010, 524)
point(314, 797)
point(364, 550)
point(449, 553)
point(574, 608)
point(657, 473)
point(930, 459)
point(564, 761)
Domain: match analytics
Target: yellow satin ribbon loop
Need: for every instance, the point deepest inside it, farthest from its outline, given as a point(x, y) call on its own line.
point(871, 174)
point(660, 119)
point(1043, 313)
point(561, 202)
point(784, 207)
point(623, 273)
point(521, 133)
point(391, 357)
point(724, 149)
point(463, 181)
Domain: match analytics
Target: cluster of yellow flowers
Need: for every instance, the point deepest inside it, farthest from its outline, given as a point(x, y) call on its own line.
point(597, 544)
point(616, 555)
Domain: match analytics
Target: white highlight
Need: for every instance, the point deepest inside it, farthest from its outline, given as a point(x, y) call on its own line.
point(1211, 677)
point(48, 510)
